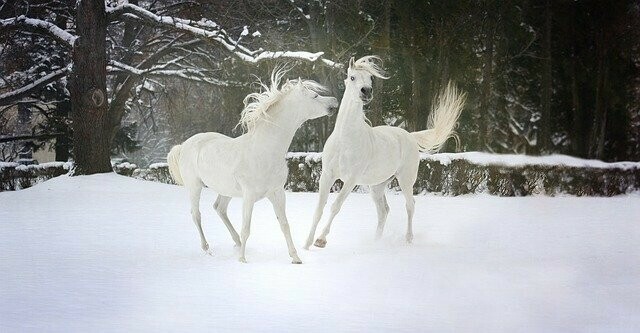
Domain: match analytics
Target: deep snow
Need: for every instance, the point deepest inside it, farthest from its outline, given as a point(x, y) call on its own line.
point(111, 253)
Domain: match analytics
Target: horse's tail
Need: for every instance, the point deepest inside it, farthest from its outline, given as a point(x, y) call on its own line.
point(172, 159)
point(442, 121)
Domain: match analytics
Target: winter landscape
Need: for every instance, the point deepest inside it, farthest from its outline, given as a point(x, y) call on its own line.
point(319, 166)
point(529, 264)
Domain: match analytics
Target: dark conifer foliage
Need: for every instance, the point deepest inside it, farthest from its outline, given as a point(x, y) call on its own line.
point(542, 77)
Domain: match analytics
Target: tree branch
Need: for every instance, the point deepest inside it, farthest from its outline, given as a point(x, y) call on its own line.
point(29, 137)
point(40, 26)
point(15, 95)
point(210, 30)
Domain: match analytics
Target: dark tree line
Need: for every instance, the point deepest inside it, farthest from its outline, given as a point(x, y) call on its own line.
point(541, 76)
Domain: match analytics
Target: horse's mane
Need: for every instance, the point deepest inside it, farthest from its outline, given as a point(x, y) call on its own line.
point(372, 64)
point(257, 104)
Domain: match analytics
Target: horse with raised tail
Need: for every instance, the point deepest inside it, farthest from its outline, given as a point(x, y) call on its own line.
point(359, 154)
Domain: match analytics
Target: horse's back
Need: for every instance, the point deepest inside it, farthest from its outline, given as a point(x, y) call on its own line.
point(202, 138)
point(209, 159)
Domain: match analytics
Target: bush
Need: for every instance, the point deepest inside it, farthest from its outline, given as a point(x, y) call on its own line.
point(446, 174)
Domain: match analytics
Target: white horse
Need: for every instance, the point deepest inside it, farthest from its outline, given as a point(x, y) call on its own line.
point(359, 154)
point(253, 165)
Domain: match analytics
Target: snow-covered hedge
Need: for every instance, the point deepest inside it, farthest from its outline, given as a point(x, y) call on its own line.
point(504, 175)
point(448, 174)
point(14, 176)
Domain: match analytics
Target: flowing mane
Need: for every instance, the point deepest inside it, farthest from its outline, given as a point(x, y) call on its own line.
point(258, 104)
point(370, 65)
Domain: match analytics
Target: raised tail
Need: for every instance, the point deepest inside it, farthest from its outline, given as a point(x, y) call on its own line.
point(172, 159)
point(442, 120)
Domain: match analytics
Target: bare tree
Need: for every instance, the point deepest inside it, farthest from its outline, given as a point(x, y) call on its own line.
point(97, 114)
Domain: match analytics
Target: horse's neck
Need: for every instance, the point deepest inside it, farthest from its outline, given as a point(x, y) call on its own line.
point(273, 135)
point(351, 120)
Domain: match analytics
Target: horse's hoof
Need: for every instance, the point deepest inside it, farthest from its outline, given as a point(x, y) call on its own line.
point(206, 249)
point(242, 260)
point(410, 239)
point(320, 243)
point(296, 261)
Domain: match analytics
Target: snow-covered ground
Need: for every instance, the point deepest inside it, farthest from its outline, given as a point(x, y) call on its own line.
point(111, 253)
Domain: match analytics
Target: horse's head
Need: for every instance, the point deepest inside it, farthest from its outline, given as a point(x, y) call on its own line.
point(360, 76)
point(299, 98)
point(306, 95)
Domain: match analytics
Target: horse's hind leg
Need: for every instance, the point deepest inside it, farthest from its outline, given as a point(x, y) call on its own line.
point(380, 199)
point(406, 182)
point(220, 206)
point(194, 196)
point(326, 180)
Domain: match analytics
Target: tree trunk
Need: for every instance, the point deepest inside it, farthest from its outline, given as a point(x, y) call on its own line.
point(598, 128)
point(63, 141)
point(577, 137)
point(544, 142)
point(382, 46)
point(487, 79)
point(87, 86)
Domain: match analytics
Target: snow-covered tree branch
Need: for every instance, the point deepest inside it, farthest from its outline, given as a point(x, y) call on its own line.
point(211, 31)
point(17, 94)
point(40, 26)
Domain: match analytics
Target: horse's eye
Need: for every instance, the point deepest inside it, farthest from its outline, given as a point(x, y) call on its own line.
point(316, 96)
point(353, 78)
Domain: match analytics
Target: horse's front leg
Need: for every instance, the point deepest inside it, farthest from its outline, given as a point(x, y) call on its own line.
point(247, 209)
point(347, 187)
point(326, 180)
point(278, 200)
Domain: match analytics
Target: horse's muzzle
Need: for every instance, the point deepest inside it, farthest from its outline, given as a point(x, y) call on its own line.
point(366, 95)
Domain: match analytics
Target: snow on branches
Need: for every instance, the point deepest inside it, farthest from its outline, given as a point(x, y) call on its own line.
point(203, 30)
point(17, 94)
point(210, 31)
point(32, 24)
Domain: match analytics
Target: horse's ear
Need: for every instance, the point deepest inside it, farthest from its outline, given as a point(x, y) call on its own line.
point(299, 81)
point(351, 61)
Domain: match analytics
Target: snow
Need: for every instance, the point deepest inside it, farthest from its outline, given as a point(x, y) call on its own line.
point(515, 160)
point(21, 167)
point(213, 32)
point(8, 165)
point(158, 165)
point(58, 33)
point(47, 165)
point(44, 79)
point(308, 157)
point(110, 253)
